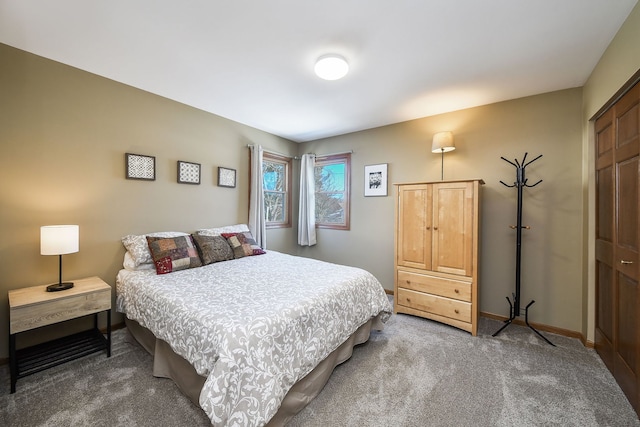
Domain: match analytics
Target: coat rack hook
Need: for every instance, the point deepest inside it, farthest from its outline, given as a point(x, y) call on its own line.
point(509, 161)
point(531, 160)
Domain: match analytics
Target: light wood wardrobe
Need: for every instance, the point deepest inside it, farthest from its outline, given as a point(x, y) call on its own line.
point(436, 251)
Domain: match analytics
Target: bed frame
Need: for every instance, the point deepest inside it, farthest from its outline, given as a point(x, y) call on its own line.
point(168, 364)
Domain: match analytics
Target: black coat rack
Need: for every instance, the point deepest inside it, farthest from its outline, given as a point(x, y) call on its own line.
point(521, 182)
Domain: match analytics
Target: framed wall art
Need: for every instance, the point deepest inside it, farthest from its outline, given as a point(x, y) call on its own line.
point(138, 166)
point(188, 173)
point(375, 180)
point(226, 177)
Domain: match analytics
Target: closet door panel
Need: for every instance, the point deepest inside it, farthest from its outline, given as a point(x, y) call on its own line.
point(626, 345)
point(605, 203)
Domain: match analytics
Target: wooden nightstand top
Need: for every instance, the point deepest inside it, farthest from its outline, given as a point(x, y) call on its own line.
point(38, 294)
point(33, 307)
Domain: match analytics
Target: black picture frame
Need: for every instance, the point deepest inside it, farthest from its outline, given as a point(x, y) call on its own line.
point(226, 177)
point(189, 173)
point(140, 167)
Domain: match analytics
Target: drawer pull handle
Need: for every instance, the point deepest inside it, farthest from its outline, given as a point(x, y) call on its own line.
point(456, 291)
point(456, 310)
point(408, 282)
point(625, 262)
point(435, 228)
point(408, 299)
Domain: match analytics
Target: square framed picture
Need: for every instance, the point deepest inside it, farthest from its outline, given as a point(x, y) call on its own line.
point(188, 173)
point(226, 177)
point(139, 166)
point(375, 180)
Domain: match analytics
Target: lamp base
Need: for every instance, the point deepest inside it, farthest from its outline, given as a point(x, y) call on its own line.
point(59, 287)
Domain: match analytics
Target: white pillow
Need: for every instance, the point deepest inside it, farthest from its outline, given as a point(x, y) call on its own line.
point(238, 228)
point(130, 264)
point(138, 248)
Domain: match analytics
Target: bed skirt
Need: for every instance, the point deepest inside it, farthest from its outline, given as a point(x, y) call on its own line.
point(167, 364)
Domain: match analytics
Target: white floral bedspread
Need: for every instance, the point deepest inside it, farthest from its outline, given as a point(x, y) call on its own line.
point(253, 326)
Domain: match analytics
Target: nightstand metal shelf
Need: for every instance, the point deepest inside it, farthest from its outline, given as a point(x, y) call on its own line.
point(53, 353)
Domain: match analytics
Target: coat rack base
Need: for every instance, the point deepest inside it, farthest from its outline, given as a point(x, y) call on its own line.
point(512, 316)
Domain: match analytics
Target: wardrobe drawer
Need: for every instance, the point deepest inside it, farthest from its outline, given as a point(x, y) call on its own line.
point(435, 285)
point(446, 307)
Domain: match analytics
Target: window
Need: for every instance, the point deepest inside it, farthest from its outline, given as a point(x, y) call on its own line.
point(332, 179)
point(276, 183)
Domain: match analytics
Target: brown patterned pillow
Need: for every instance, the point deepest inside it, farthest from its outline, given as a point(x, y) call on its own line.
point(243, 244)
point(212, 248)
point(173, 254)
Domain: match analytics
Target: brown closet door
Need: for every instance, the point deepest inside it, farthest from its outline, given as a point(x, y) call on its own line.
point(605, 200)
point(618, 242)
point(626, 250)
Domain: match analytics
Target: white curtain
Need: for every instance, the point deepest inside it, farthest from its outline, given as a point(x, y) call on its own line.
point(257, 223)
point(307, 204)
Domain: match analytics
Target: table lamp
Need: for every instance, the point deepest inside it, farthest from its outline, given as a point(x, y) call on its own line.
point(59, 240)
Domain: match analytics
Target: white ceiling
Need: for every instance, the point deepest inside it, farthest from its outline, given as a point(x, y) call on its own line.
point(252, 60)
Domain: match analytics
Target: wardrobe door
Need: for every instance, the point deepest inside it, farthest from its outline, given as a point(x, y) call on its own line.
point(414, 226)
point(453, 215)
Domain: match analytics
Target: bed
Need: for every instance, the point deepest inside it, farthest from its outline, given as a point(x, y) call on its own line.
point(252, 339)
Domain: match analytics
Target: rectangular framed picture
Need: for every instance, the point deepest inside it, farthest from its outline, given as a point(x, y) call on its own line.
point(139, 166)
point(226, 177)
point(188, 173)
point(375, 180)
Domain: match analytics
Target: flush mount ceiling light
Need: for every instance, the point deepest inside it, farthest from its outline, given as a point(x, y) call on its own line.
point(331, 67)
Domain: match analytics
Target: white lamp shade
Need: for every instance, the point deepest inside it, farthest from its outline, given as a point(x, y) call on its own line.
point(442, 142)
point(59, 239)
point(331, 67)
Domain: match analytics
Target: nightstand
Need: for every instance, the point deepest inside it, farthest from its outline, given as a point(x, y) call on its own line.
point(34, 307)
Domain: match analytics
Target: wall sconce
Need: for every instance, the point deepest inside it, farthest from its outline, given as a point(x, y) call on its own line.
point(442, 143)
point(59, 240)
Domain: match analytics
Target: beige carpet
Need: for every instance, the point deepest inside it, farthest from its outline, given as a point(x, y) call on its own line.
point(414, 373)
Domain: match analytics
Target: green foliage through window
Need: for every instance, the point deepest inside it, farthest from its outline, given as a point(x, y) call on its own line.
point(276, 183)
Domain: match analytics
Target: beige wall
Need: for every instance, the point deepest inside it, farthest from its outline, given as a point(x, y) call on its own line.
point(547, 124)
point(63, 135)
point(619, 63)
